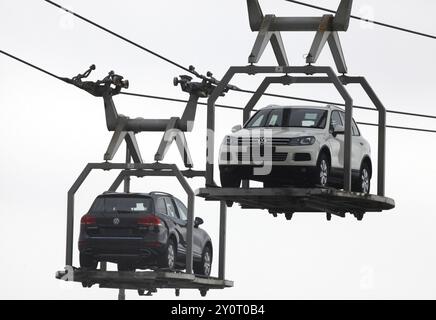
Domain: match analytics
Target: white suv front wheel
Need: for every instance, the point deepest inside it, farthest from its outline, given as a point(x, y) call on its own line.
point(364, 183)
point(322, 173)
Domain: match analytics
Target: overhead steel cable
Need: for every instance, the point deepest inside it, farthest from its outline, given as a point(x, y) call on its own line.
point(178, 65)
point(201, 103)
point(176, 100)
point(422, 34)
point(397, 127)
point(30, 65)
point(340, 104)
point(240, 108)
point(233, 88)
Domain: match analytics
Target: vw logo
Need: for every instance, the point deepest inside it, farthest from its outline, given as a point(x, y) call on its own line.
point(262, 141)
point(116, 221)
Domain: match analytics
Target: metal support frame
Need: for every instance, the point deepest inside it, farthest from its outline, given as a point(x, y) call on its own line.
point(263, 38)
point(125, 128)
point(381, 162)
point(129, 170)
point(173, 133)
point(326, 28)
point(222, 241)
point(118, 137)
point(253, 70)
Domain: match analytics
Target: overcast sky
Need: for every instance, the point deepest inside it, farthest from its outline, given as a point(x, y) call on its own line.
point(51, 130)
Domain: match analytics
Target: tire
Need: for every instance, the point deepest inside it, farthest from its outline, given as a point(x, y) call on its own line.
point(123, 266)
point(364, 181)
point(204, 267)
point(230, 179)
point(322, 175)
point(88, 262)
point(168, 258)
point(270, 184)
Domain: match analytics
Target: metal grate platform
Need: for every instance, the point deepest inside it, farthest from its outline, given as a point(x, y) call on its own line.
point(143, 280)
point(291, 200)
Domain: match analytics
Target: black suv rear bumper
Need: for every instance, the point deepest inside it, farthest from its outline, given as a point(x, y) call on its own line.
point(133, 250)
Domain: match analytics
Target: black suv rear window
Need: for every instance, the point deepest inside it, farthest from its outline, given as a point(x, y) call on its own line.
point(122, 205)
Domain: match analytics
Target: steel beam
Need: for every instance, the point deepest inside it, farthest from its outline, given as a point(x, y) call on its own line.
point(70, 213)
point(222, 241)
point(340, 22)
point(337, 52)
point(326, 28)
point(322, 35)
point(173, 133)
point(381, 161)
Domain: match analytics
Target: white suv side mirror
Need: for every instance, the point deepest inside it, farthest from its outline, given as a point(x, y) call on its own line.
point(338, 129)
point(236, 128)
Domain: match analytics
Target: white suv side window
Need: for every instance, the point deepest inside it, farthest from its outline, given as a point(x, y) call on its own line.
point(275, 119)
point(335, 119)
point(356, 131)
point(259, 119)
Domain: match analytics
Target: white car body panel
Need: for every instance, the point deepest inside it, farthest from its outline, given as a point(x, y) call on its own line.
point(323, 138)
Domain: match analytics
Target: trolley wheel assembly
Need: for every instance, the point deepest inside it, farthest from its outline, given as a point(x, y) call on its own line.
point(203, 292)
point(289, 215)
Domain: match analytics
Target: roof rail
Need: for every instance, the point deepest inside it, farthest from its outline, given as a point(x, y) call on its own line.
point(160, 192)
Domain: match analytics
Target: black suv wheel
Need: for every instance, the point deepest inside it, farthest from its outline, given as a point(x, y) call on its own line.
point(168, 259)
point(230, 179)
point(88, 262)
point(205, 265)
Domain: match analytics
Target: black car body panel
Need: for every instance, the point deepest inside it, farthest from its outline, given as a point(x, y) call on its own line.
point(135, 228)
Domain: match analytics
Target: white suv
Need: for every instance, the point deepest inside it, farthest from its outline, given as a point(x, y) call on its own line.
point(294, 145)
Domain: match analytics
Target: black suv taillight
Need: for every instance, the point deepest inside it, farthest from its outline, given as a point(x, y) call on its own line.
point(88, 220)
point(149, 221)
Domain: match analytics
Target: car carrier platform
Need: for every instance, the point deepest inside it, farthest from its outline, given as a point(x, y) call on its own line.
point(143, 281)
point(291, 200)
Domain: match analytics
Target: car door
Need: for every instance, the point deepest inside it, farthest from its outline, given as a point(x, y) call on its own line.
point(358, 144)
point(180, 226)
point(336, 144)
point(197, 236)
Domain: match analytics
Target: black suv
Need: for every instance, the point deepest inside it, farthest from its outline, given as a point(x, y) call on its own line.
point(141, 230)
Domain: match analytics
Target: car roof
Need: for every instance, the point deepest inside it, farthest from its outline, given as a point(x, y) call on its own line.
point(152, 194)
point(325, 107)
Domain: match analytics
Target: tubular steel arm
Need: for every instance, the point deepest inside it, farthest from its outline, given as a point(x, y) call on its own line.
point(326, 28)
point(381, 162)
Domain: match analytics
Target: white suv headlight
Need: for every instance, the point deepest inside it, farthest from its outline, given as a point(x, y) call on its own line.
point(302, 141)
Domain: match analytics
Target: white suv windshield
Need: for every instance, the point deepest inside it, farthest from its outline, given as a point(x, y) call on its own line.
point(290, 118)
